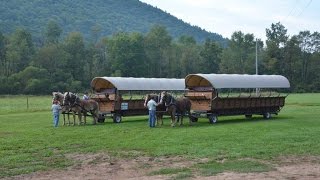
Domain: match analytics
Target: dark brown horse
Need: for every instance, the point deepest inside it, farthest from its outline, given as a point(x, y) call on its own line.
point(65, 109)
point(176, 107)
point(160, 108)
point(85, 105)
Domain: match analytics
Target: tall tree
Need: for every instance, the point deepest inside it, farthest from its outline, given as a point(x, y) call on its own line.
point(157, 47)
point(239, 57)
point(210, 56)
point(53, 32)
point(276, 40)
point(74, 45)
point(187, 57)
point(126, 52)
point(20, 50)
point(3, 62)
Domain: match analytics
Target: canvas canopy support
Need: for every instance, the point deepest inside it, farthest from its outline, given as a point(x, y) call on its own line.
point(98, 84)
point(221, 81)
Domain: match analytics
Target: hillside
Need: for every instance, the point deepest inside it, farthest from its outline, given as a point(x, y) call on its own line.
point(106, 16)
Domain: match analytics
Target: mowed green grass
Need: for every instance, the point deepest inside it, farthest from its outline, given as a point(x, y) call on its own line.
point(28, 141)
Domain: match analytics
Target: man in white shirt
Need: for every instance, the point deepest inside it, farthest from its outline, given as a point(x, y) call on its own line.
point(152, 105)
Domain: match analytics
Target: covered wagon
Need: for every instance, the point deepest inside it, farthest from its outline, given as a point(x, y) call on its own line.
point(216, 95)
point(124, 96)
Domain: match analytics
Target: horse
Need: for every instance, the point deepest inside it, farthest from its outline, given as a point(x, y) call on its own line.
point(160, 108)
point(85, 105)
point(179, 106)
point(65, 108)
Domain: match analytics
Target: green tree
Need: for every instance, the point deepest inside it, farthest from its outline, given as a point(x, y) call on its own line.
point(3, 61)
point(53, 32)
point(309, 66)
point(75, 47)
point(157, 48)
point(210, 56)
point(126, 53)
point(276, 41)
point(20, 50)
point(187, 57)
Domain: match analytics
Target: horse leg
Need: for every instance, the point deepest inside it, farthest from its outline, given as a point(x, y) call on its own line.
point(84, 117)
point(74, 118)
point(64, 118)
point(173, 118)
point(190, 118)
point(68, 118)
point(94, 117)
point(181, 122)
point(161, 118)
point(79, 117)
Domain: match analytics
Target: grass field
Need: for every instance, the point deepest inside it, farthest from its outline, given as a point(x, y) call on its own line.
point(28, 141)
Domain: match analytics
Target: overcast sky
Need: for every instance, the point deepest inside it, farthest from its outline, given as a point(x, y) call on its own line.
point(227, 16)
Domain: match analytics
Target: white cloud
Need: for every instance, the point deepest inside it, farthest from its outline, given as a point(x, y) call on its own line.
point(228, 16)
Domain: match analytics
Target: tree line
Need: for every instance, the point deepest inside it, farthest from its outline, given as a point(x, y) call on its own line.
point(69, 64)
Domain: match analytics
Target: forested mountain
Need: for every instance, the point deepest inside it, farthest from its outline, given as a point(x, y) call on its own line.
point(94, 18)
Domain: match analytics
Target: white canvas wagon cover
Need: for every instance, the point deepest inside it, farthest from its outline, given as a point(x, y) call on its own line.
point(219, 81)
point(137, 84)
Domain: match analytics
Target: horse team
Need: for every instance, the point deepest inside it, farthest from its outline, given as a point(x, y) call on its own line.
point(72, 103)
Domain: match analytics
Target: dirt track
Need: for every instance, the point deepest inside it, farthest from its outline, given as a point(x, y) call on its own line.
point(102, 166)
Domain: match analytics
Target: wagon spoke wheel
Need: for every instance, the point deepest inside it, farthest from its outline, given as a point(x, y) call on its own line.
point(213, 119)
point(248, 116)
point(267, 115)
point(101, 119)
point(117, 118)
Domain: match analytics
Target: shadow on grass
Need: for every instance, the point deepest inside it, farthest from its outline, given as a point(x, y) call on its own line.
point(202, 122)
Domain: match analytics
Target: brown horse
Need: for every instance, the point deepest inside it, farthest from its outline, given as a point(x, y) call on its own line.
point(160, 108)
point(179, 107)
point(85, 105)
point(65, 109)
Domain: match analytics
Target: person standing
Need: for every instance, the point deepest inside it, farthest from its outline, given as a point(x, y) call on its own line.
point(152, 105)
point(55, 112)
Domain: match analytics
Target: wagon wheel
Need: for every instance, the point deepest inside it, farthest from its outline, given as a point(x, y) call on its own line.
point(101, 119)
point(267, 115)
point(248, 116)
point(213, 119)
point(117, 118)
point(194, 117)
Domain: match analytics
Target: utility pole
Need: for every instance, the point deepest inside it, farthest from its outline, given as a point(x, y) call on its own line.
point(256, 56)
point(257, 89)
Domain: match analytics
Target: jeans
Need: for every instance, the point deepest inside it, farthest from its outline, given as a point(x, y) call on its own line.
point(152, 118)
point(55, 120)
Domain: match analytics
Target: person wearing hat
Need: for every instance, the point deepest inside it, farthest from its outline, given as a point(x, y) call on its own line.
point(55, 112)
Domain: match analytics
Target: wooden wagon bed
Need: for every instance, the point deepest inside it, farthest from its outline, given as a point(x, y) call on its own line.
point(203, 91)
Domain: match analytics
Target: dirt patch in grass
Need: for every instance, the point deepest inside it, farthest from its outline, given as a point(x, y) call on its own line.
point(103, 166)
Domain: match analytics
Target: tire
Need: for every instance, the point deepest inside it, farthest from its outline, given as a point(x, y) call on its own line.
point(101, 120)
point(194, 119)
point(267, 115)
point(248, 116)
point(213, 119)
point(117, 118)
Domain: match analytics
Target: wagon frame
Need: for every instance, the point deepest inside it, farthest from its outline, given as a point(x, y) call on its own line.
point(205, 93)
point(124, 96)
